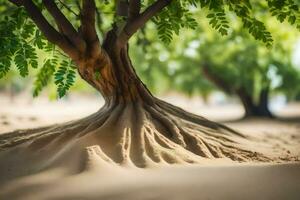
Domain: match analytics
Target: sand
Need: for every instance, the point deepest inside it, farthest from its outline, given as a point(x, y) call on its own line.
point(257, 182)
point(85, 176)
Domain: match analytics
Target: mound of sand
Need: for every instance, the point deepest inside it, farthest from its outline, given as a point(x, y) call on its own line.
point(78, 170)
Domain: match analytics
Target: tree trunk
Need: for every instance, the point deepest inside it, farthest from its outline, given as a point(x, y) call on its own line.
point(251, 109)
point(255, 110)
point(264, 103)
point(112, 74)
point(133, 128)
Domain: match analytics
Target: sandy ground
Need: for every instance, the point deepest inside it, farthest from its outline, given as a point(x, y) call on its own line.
point(245, 182)
point(212, 180)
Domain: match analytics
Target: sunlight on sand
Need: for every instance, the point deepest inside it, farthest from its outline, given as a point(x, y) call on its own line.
point(83, 174)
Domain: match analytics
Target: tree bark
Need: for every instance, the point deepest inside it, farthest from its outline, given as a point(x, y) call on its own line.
point(133, 128)
point(260, 109)
point(112, 74)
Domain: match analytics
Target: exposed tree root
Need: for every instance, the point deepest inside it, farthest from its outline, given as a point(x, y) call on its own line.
point(137, 134)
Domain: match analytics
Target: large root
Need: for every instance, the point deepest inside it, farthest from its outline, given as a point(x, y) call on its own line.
point(134, 134)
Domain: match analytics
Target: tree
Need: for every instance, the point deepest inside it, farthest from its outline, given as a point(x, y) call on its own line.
point(244, 70)
point(133, 127)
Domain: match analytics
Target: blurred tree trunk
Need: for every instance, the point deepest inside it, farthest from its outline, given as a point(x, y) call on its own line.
point(252, 109)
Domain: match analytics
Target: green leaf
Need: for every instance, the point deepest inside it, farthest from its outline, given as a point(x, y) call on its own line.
point(21, 63)
point(44, 76)
point(64, 78)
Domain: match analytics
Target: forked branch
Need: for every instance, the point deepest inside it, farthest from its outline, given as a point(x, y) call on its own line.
point(133, 25)
point(50, 33)
point(64, 25)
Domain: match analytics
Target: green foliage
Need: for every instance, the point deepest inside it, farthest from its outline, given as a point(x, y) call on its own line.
point(24, 57)
point(285, 10)
point(218, 21)
point(39, 40)
point(239, 60)
point(5, 63)
point(243, 64)
point(17, 33)
point(289, 80)
point(255, 27)
point(173, 18)
point(20, 42)
point(44, 76)
point(64, 78)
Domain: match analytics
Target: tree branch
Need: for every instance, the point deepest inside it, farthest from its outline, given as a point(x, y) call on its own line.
point(88, 19)
point(64, 25)
point(134, 9)
point(215, 79)
point(122, 8)
point(50, 33)
point(88, 27)
point(132, 26)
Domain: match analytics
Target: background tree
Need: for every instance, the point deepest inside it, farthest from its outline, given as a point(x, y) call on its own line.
point(245, 70)
point(133, 127)
point(243, 67)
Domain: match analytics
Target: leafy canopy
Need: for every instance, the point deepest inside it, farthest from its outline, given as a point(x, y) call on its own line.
point(21, 42)
point(238, 60)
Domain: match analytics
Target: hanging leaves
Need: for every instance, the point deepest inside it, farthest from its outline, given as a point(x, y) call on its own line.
point(44, 76)
point(255, 27)
point(179, 15)
point(39, 40)
point(20, 39)
point(5, 63)
point(173, 18)
point(16, 33)
point(218, 21)
point(21, 62)
point(285, 10)
point(64, 78)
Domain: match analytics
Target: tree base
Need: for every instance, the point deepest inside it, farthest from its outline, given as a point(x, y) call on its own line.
point(258, 113)
point(133, 134)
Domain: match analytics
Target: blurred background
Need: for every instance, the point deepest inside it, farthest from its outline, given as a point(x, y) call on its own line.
point(232, 79)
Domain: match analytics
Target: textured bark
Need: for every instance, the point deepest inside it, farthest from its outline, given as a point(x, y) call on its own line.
point(112, 74)
point(133, 127)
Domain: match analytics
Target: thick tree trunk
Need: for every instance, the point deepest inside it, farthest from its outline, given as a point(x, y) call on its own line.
point(112, 74)
point(132, 129)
